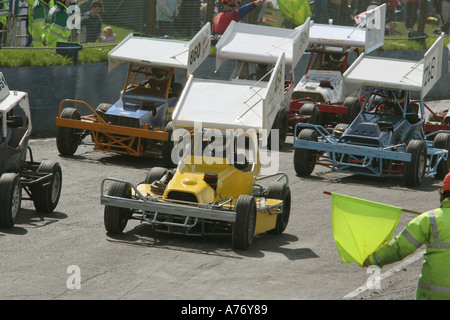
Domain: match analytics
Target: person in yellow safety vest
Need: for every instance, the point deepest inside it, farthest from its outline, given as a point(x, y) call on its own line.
point(29, 21)
point(3, 7)
point(40, 12)
point(431, 228)
point(56, 29)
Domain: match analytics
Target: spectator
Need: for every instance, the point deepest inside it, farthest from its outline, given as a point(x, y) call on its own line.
point(108, 35)
point(166, 13)
point(411, 13)
point(56, 29)
point(91, 23)
point(188, 21)
point(40, 12)
point(232, 12)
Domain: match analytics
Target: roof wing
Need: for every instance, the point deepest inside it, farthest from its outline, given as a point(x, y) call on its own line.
point(419, 76)
point(158, 52)
point(262, 44)
point(242, 104)
point(370, 36)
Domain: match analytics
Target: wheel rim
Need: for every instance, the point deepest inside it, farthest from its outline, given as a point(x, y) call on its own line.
point(422, 163)
point(56, 186)
point(15, 202)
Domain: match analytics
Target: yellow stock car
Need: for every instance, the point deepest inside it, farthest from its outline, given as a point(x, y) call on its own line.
point(204, 195)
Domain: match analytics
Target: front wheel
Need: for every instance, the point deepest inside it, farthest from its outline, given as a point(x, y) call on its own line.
point(243, 230)
point(67, 139)
point(414, 171)
point(116, 218)
point(280, 190)
point(10, 199)
point(442, 141)
point(305, 159)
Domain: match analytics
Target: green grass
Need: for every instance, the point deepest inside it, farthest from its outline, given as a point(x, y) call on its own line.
point(98, 53)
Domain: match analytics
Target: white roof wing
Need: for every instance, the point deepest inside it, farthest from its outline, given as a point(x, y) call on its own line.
point(398, 74)
point(162, 52)
point(369, 37)
point(262, 44)
point(242, 104)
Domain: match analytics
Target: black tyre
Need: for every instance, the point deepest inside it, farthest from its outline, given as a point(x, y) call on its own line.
point(102, 108)
point(414, 171)
point(281, 124)
point(339, 130)
point(167, 147)
point(442, 141)
point(353, 106)
point(154, 174)
point(116, 218)
point(243, 229)
point(310, 109)
point(305, 159)
point(46, 197)
point(67, 139)
point(280, 190)
point(10, 199)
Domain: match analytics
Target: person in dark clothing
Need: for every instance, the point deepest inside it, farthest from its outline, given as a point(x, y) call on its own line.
point(91, 23)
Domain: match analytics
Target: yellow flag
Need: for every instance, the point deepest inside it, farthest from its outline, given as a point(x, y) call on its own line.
point(296, 11)
point(360, 227)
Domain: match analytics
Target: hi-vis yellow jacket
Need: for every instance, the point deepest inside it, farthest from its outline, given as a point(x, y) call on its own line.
point(56, 29)
point(431, 228)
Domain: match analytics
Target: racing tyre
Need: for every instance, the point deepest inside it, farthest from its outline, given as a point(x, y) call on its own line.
point(167, 147)
point(309, 109)
point(281, 124)
point(339, 130)
point(243, 229)
point(442, 141)
point(304, 159)
point(154, 174)
point(280, 190)
point(46, 196)
point(67, 139)
point(10, 199)
point(102, 108)
point(353, 107)
point(116, 218)
point(414, 171)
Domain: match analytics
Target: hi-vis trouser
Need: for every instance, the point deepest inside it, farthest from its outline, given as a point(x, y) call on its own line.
point(431, 228)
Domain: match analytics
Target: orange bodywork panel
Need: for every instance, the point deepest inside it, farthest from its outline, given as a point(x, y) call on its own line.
point(108, 137)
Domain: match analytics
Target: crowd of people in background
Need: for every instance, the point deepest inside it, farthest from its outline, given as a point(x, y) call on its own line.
point(52, 21)
point(48, 21)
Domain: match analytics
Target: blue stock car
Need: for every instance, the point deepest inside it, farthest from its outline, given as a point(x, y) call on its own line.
point(387, 138)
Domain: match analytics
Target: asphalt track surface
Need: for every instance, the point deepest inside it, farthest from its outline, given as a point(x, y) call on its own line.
point(67, 255)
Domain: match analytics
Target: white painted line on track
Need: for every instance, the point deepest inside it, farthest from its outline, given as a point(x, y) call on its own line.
point(417, 256)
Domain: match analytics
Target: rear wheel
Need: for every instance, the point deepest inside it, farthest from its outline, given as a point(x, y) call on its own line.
point(116, 218)
point(311, 110)
point(442, 141)
point(339, 130)
point(46, 197)
point(67, 139)
point(102, 108)
point(305, 159)
point(280, 190)
point(167, 147)
point(10, 199)
point(281, 124)
point(353, 106)
point(243, 230)
point(414, 171)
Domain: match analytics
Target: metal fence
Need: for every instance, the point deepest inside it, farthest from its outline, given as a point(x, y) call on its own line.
point(142, 16)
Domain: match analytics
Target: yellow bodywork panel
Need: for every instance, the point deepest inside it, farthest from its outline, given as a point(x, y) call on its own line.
point(264, 220)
